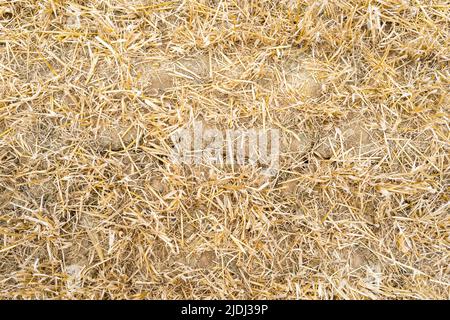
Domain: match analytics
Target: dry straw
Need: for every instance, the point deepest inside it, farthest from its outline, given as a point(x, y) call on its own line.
point(92, 207)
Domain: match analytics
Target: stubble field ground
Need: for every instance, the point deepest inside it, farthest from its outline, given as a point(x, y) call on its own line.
point(92, 207)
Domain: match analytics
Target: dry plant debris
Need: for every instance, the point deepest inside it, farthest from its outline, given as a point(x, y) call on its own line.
point(91, 207)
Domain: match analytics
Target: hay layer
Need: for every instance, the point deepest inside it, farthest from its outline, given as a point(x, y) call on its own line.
point(91, 207)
